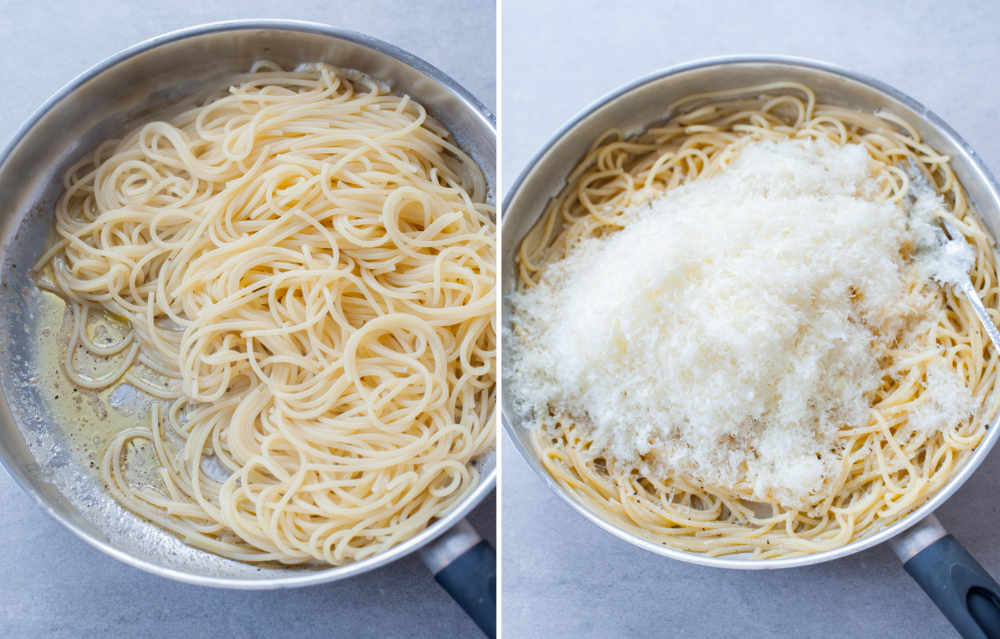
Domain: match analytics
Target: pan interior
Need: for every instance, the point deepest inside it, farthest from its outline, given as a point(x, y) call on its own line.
point(642, 104)
point(51, 459)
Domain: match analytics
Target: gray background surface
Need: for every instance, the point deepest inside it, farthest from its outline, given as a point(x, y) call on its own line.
point(54, 585)
point(564, 577)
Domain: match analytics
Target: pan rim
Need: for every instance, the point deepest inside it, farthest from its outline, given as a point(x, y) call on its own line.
point(487, 481)
point(982, 174)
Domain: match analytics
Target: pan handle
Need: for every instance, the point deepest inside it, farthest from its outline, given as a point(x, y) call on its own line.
point(466, 567)
point(966, 594)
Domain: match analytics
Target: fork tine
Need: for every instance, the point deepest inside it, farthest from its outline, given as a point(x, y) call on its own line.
point(918, 176)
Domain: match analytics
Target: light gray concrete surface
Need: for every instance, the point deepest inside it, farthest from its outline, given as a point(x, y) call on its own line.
point(54, 585)
point(564, 577)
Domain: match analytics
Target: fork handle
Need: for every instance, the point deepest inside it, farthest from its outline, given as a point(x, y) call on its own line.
point(972, 295)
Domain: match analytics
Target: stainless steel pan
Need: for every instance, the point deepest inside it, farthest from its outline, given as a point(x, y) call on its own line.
point(936, 561)
point(104, 102)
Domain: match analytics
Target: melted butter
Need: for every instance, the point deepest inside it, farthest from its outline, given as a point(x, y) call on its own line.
point(90, 419)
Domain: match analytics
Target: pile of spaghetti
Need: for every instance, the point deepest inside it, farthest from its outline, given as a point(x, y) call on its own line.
point(736, 332)
point(304, 264)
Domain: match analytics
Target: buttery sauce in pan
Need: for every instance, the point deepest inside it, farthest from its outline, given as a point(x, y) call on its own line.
point(88, 419)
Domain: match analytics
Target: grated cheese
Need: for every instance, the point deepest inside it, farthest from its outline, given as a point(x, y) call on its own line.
point(730, 329)
point(946, 400)
point(931, 245)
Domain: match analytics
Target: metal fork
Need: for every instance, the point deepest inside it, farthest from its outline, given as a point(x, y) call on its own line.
point(953, 247)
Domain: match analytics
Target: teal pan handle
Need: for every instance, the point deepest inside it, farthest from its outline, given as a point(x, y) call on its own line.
point(960, 587)
point(465, 565)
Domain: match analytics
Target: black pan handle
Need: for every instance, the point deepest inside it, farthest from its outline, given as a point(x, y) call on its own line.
point(967, 595)
point(466, 567)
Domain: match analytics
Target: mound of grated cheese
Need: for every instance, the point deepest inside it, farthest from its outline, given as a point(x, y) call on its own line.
point(731, 328)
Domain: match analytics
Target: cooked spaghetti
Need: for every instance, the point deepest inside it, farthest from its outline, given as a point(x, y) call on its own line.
point(303, 269)
point(859, 401)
